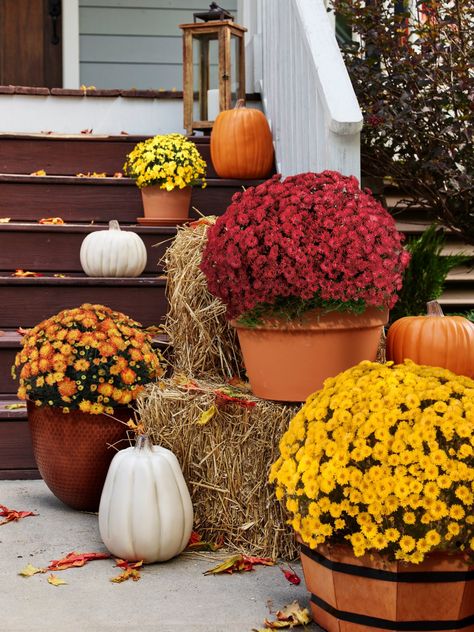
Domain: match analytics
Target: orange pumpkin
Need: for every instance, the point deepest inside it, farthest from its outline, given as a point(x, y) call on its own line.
point(241, 143)
point(434, 340)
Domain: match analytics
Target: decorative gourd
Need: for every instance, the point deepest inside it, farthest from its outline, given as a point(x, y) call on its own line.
point(145, 510)
point(241, 143)
point(434, 340)
point(113, 253)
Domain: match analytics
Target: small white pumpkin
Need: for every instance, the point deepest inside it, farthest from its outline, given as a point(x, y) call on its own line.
point(145, 510)
point(113, 253)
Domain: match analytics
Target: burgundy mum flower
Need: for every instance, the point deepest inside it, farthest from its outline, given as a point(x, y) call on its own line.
point(313, 235)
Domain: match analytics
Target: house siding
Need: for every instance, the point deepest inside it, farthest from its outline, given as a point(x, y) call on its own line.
point(126, 44)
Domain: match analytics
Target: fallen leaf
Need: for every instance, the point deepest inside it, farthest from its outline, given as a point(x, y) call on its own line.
point(13, 515)
point(58, 275)
point(129, 571)
point(31, 570)
point(25, 273)
point(182, 380)
point(236, 382)
point(196, 543)
point(291, 576)
point(75, 559)
point(22, 331)
point(118, 174)
point(137, 428)
point(228, 395)
point(5, 220)
point(51, 220)
point(290, 617)
point(15, 406)
point(91, 174)
point(206, 416)
point(85, 88)
point(86, 131)
point(239, 563)
point(40, 172)
point(124, 133)
point(55, 581)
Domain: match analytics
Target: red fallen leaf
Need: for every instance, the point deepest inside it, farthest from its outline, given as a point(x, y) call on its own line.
point(86, 131)
point(239, 563)
point(129, 571)
point(196, 543)
point(75, 559)
point(124, 133)
point(13, 515)
point(291, 576)
point(223, 398)
point(25, 273)
point(51, 220)
point(203, 221)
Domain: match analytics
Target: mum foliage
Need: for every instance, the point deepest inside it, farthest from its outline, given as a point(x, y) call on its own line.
point(311, 240)
point(169, 161)
point(382, 457)
point(90, 358)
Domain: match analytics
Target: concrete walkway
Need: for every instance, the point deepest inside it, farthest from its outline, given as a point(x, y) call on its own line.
point(168, 597)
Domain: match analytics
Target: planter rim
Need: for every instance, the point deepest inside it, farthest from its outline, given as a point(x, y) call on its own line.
point(319, 319)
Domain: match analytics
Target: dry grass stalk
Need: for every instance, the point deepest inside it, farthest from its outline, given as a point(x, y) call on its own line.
point(225, 462)
point(381, 351)
point(202, 340)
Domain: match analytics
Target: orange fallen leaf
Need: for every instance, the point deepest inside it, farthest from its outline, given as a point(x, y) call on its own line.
point(196, 543)
point(239, 563)
point(5, 220)
point(51, 220)
point(74, 559)
point(118, 174)
point(31, 570)
point(55, 581)
point(58, 275)
point(290, 616)
point(129, 571)
point(13, 515)
point(228, 395)
point(40, 172)
point(25, 273)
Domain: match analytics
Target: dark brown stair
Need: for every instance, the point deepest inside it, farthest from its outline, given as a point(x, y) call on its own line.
point(27, 198)
point(26, 301)
point(16, 453)
point(56, 247)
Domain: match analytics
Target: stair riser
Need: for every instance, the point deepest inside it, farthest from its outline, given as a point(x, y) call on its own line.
point(26, 306)
point(56, 251)
point(16, 452)
point(72, 156)
point(86, 202)
point(7, 358)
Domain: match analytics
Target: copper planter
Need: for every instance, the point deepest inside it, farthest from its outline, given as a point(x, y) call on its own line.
point(73, 451)
point(350, 594)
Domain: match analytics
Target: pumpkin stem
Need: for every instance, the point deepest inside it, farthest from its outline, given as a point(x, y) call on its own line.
point(143, 442)
point(433, 308)
point(114, 225)
point(240, 104)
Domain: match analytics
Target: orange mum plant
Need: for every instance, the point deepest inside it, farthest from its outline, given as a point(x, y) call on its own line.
point(89, 358)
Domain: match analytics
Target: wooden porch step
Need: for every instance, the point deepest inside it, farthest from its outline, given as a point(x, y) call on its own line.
point(30, 198)
point(16, 452)
point(60, 154)
point(33, 246)
point(26, 301)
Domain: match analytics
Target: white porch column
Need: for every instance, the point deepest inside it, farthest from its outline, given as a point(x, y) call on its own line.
point(70, 42)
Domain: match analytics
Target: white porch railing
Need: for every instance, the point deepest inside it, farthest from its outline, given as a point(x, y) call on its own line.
point(306, 92)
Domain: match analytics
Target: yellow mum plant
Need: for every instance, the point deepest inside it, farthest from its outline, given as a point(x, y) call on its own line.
point(169, 161)
point(382, 459)
point(89, 358)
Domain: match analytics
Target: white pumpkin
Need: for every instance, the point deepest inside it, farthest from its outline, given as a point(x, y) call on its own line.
point(113, 253)
point(145, 510)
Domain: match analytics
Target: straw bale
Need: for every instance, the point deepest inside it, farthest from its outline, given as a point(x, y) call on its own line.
point(225, 461)
point(203, 342)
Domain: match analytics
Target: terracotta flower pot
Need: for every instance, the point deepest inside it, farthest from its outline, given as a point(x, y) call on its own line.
point(73, 453)
point(166, 205)
point(289, 360)
point(350, 594)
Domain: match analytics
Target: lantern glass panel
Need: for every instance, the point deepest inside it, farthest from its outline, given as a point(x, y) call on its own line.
point(234, 68)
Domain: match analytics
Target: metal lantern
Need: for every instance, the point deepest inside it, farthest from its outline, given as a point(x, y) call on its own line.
point(213, 67)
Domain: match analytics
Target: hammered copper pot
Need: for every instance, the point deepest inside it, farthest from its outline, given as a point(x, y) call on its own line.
point(73, 451)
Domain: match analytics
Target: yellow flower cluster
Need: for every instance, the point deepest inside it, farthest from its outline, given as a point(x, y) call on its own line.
point(382, 457)
point(90, 358)
point(169, 161)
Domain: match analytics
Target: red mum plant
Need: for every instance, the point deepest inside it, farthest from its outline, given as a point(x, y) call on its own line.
point(311, 240)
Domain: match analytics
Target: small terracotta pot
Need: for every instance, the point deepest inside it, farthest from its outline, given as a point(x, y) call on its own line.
point(289, 360)
point(162, 204)
point(353, 594)
point(73, 453)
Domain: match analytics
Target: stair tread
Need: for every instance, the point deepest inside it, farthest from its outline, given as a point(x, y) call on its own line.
point(85, 227)
point(109, 180)
point(7, 399)
point(78, 279)
point(199, 140)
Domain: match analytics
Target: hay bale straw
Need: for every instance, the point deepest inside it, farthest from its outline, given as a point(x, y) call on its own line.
point(225, 460)
point(202, 340)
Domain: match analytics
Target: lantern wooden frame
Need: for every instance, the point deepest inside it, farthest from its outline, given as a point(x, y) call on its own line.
point(222, 31)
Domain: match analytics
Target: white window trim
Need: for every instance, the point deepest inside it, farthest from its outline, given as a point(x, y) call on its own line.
point(70, 43)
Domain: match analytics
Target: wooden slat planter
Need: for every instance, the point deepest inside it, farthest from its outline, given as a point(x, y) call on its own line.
point(43, 247)
point(27, 301)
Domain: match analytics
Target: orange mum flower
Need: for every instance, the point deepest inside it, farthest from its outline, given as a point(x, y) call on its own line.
point(44, 365)
point(128, 376)
point(46, 350)
point(105, 389)
point(136, 355)
point(107, 349)
point(67, 387)
point(82, 364)
point(73, 335)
